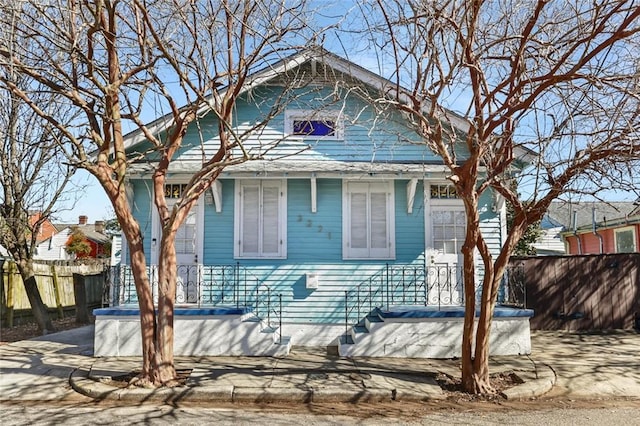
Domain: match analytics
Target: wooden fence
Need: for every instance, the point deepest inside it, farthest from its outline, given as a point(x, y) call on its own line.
point(55, 282)
point(586, 292)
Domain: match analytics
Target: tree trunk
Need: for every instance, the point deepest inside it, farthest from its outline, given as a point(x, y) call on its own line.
point(473, 225)
point(147, 311)
point(131, 231)
point(478, 380)
point(38, 308)
point(167, 277)
point(468, 365)
point(481, 379)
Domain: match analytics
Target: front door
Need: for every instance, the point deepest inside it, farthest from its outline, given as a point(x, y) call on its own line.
point(444, 260)
point(187, 289)
point(188, 244)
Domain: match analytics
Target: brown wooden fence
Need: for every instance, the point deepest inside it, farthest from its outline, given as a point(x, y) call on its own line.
point(590, 292)
point(55, 282)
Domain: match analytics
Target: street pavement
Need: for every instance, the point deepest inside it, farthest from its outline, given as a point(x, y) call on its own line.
point(60, 367)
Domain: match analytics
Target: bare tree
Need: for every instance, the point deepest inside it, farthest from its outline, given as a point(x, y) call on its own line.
point(111, 59)
point(551, 84)
point(32, 180)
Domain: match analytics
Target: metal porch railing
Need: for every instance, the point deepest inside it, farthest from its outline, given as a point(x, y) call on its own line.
point(205, 286)
point(514, 290)
point(434, 286)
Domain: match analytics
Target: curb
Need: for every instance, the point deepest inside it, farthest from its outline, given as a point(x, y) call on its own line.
point(81, 383)
point(546, 379)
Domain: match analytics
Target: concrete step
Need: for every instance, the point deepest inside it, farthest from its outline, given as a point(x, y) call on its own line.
point(346, 339)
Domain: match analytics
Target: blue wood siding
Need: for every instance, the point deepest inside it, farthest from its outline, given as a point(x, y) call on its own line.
point(314, 246)
point(490, 223)
point(314, 237)
point(410, 227)
point(142, 210)
point(218, 228)
point(366, 137)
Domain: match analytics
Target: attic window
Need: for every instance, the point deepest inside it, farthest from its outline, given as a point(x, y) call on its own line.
point(314, 127)
point(313, 124)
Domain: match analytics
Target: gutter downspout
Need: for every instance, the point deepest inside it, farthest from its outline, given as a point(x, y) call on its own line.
point(575, 231)
point(595, 229)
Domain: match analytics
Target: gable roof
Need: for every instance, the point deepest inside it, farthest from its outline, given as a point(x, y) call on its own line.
point(560, 213)
point(90, 233)
point(88, 230)
point(314, 55)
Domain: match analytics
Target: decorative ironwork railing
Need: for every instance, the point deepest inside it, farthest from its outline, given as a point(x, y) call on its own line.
point(435, 286)
point(513, 291)
point(205, 285)
point(232, 285)
point(439, 285)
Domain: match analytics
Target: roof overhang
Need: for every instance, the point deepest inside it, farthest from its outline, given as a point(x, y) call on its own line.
point(306, 169)
point(260, 77)
point(609, 224)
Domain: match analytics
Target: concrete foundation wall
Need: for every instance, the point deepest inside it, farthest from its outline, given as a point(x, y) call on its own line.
point(410, 334)
point(222, 335)
point(435, 338)
point(314, 334)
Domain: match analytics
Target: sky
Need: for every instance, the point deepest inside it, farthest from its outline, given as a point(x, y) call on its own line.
point(94, 203)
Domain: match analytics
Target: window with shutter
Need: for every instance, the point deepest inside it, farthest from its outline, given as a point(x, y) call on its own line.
point(260, 222)
point(368, 226)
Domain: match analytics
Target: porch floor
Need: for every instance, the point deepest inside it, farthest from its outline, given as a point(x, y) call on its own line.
point(412, 311)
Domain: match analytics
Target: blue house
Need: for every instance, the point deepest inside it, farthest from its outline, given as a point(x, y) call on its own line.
point(345, 224)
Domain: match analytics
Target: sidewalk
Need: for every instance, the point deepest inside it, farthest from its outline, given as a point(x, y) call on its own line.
point(304, 376)
point(587, 365)
point(39, 369)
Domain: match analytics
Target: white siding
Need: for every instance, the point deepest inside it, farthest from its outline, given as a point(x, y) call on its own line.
point(54, 247)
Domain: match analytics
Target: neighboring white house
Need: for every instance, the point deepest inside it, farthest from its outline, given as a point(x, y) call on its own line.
point(550, 241)
point(116, 250)
point(3, 252)
point(55, 247)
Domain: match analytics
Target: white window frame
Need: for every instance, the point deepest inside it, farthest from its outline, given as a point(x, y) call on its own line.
point(625, 229)
point(349, 253)
point(436, 204)
point(156, 231)
point(238, 251)
point(292, 115)
point(446, 207)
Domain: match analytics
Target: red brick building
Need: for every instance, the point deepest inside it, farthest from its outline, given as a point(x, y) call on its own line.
point(620, 234)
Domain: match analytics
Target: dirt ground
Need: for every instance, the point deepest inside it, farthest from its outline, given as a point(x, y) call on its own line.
point(30, 330)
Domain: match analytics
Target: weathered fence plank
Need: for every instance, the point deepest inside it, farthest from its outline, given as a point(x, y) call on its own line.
point(55, 282)
point(582, 292)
